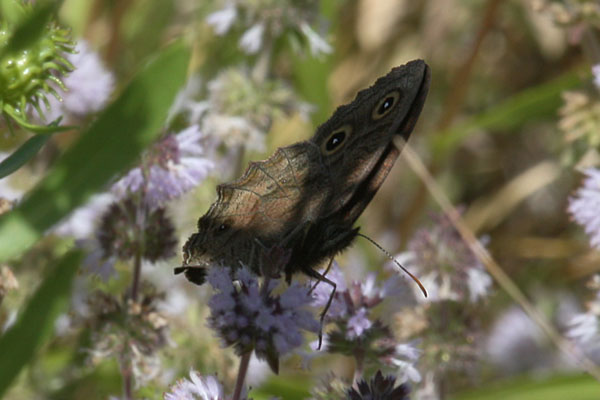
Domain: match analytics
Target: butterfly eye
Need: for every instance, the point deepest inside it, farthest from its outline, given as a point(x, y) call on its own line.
point(336, 139)
point(386, 105)
point(222, 228)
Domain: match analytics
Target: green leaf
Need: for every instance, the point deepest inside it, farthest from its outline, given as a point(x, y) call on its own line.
point(294, 388)
point(580, 387)
point(23, 154)
point(36, 323)
point(529, 105)
point(109, 146)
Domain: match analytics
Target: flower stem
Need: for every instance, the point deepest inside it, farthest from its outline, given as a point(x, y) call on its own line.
point(239, 384)
point(137, 269)
point(135, 288)
point(140, 221)
point(127, 378)
point(360, 368)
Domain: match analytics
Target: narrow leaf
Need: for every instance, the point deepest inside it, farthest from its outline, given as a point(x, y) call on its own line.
point(23, 154)
point(36, 323)
point(109, 146)
point(529, 105)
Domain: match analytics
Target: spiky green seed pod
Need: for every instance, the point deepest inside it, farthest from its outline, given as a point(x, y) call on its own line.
point(26, 75)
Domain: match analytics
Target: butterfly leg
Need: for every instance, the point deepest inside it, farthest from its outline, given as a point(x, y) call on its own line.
point(322, 278)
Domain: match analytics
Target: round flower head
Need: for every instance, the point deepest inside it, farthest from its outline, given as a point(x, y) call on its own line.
point(240, 110)
point(584, 206)
point(133, 332)
point(250, 317)
point(356, 329)
point(445, 264)
point(118, 232)
point(352, 302)
point(171, 167)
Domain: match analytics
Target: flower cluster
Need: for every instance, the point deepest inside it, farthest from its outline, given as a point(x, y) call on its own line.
point(446, 323)
point(240, 110)
point(356, 330)
point(131, 331)
point(250, 317)
point(445, 264)
point(174, 165)
point(585, 327)
point(264, 20)
point(584, 206)
point(569, 14)
point(125, 231)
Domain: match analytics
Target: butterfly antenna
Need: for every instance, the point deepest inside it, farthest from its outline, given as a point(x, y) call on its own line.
point(387, 253)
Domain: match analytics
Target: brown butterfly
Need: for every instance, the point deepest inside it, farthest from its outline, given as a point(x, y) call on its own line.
point(296, 209)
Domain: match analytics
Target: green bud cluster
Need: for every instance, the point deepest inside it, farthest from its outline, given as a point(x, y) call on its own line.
point(26, 73)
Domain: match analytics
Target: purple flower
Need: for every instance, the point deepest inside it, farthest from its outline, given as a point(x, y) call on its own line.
point(89, 86)
point(322, 292)
point(96, 262)
point(351, 303)
point(445, 264)
point(251, 317)
point(584, 328)
point(83, 221)
point(357, 324)
point(196, 388)
point(516, 344)
point(585, 205)
point(405, 357)
point(174, 165)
